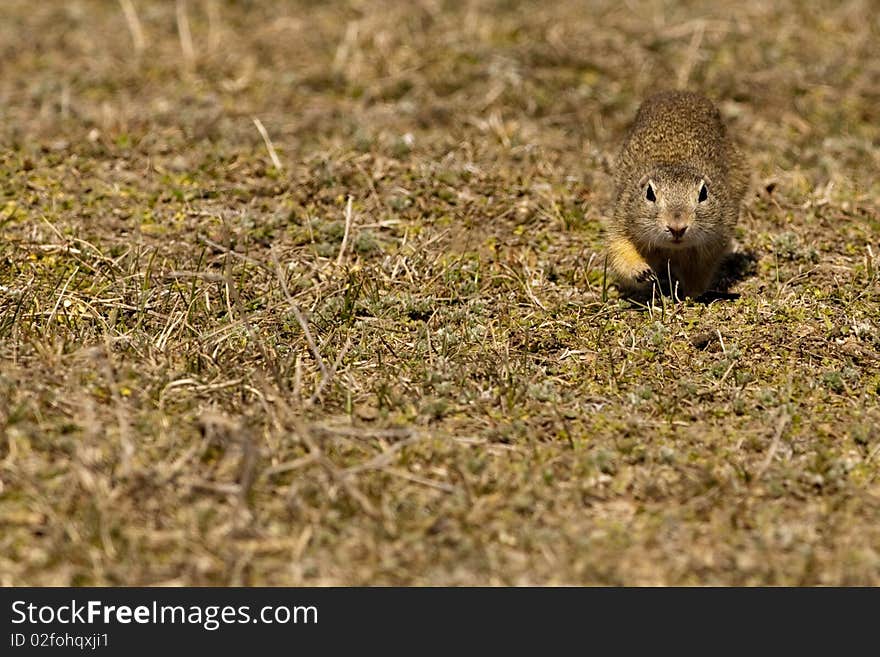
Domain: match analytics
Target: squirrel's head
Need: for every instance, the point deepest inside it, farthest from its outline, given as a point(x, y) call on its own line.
point(673, 207)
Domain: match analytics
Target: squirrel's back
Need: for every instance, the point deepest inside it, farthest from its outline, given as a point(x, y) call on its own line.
point(681, 127)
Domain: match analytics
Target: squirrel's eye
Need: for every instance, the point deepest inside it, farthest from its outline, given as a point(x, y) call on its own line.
point(649, 194)
point(704, 193)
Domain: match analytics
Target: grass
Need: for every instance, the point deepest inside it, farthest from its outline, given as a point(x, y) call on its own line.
point(373, 343)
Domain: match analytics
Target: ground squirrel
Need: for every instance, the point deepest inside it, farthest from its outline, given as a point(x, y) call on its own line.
point(679, 183)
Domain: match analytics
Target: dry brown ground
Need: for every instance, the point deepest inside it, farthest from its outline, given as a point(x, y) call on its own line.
point(216, 371)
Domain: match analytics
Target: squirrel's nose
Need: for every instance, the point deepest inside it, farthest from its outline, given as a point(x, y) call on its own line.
point(677, 230)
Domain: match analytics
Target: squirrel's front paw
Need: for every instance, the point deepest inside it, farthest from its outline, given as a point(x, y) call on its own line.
point(644, 276)
point(627, 264)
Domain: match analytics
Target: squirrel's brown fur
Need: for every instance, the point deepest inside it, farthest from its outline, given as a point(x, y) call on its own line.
point(679, 184)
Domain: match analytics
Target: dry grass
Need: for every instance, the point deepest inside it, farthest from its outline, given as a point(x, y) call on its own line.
point(391, 357)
